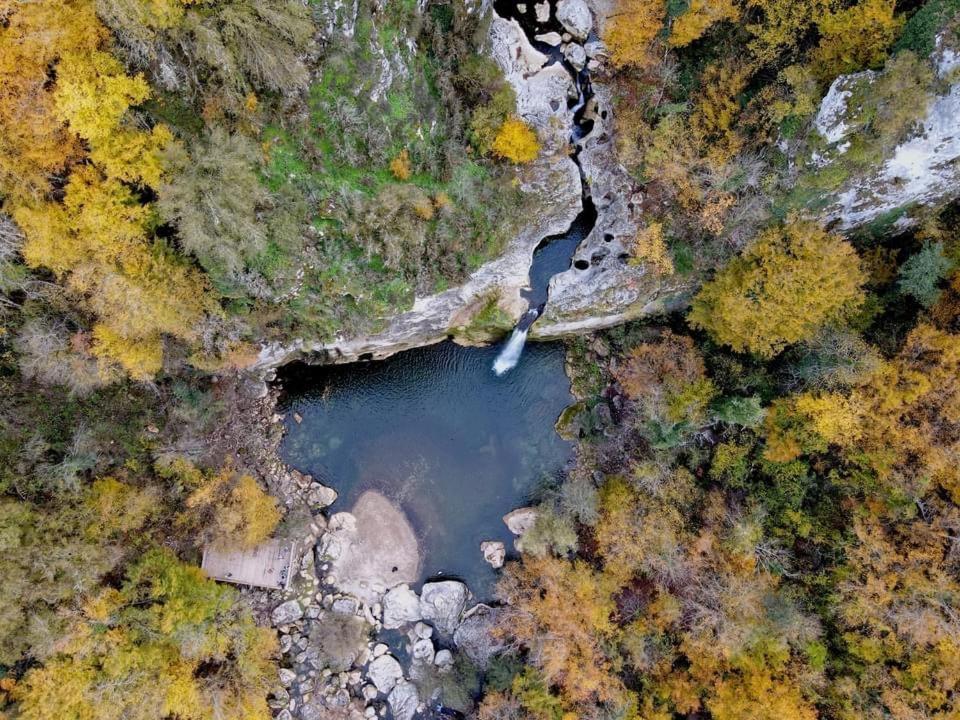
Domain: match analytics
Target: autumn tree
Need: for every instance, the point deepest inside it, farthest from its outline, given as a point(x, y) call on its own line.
point(516, 141)
point(168, 643)
point(98, 239)
point(667, 380)
point(34, 143)
point(898, 594)
point(52, 552)
point(855, 37)
point(631, 29)
point(554, 598)
point(224, 506)
point(789, 282)
point(699, 16)
point(223, 52)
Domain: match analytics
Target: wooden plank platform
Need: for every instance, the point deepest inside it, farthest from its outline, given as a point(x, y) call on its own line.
point(269, 565)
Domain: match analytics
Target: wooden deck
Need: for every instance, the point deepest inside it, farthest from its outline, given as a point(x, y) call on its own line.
point(269, 565)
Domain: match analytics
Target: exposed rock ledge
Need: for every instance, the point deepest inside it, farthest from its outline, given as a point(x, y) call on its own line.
point(602, 288)
point(554, 179)
point(924, 169)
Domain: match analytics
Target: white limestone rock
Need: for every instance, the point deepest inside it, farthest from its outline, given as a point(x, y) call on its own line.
point(520, 520)
point(371, 549)
point(404, 700)
point(400, 606)
point(552, 39)
point(286, 613)
point(494, 553)
point(442, 604)
point(576, 18)
point(385, 672)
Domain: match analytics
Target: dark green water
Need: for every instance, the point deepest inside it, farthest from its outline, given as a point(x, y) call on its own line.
point(435, 430)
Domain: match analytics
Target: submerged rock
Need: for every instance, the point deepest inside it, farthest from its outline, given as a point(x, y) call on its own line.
point(443, 660)
point(442, 603)
point(542, 11)
point(423, 651)
point(371, 549)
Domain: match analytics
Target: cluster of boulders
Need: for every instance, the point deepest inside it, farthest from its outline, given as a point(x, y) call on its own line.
point(325, 675)
point(356, 583)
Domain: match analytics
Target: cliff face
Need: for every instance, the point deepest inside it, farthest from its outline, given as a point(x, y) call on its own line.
point(553, 181)
point(603, 288)
point(923, 169)
point(600, 289)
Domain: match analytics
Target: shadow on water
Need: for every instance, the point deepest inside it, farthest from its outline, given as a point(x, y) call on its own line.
point(435, 430)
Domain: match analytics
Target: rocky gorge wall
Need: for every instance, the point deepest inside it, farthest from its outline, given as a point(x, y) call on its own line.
point(922, 169)
point(603, 286)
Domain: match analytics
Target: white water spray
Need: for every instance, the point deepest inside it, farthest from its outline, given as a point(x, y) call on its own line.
point(510, 355)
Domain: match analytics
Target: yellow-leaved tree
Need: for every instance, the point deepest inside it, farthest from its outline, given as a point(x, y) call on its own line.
point(855, 37)
point(224, 506)
point(699, 16)
point(168, 643)
point(34, 144)
point(631, 29)
point(789, 282)
point(97, 239)
point(516, 141)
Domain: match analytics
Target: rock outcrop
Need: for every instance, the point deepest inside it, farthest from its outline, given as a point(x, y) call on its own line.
point(924, 169)
point(553, 181)
point(602, 287)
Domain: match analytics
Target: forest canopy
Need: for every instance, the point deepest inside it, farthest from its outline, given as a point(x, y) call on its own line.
point(761, 515)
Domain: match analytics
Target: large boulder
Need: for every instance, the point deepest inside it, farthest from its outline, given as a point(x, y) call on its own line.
point(404, 700)
point(576, 18)
point(370, 549)
point(385, 672)
point(400, 606)
point(287, 613)
point(520, 520)
point(494, 553)
point(442, 603)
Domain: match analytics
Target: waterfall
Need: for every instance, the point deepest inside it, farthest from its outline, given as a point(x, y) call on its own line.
point(510, 355)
